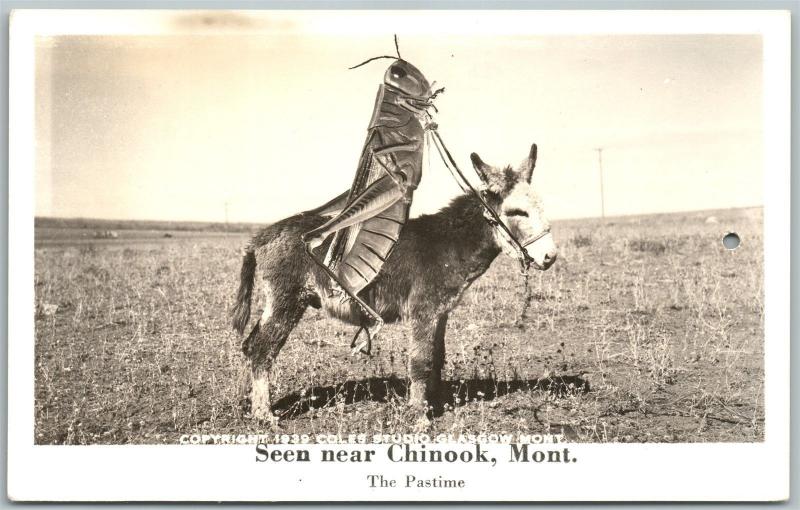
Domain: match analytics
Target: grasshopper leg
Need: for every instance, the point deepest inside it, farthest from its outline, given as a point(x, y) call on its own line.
point(378, 197)
point(372, 314)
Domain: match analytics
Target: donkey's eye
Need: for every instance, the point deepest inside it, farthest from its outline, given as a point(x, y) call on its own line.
point(517, 212)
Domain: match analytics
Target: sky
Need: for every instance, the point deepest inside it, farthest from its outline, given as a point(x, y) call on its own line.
point(262, 120)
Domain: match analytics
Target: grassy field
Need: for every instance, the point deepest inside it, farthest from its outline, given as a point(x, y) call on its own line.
point(651, 315)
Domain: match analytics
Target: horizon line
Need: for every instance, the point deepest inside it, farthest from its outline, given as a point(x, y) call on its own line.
point(220, 222)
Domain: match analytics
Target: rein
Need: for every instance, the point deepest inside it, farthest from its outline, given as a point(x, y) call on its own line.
point(492, 218)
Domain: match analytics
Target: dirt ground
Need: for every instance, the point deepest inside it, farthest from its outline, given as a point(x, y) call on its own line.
point(645, 330)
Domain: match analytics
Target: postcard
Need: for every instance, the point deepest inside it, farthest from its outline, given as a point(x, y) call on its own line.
point(399, 255)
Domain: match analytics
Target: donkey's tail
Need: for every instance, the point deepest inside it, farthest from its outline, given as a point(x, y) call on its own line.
point(241, 311)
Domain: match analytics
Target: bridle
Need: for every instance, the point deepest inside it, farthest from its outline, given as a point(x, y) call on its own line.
point(491, 216)
point(535, 238)
point(495, 222)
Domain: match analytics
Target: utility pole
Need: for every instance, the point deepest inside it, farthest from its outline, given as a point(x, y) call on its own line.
point(602, 194)
point(226, 212)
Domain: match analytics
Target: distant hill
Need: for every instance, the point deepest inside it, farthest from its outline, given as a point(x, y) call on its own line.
point(210, 226)
point(719, 215)
point(189, 226)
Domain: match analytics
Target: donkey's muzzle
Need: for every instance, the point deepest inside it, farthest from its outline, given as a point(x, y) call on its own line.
point(542, 251)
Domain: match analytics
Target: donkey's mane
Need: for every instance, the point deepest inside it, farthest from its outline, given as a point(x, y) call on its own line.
point(462, 206)
point(462, 216)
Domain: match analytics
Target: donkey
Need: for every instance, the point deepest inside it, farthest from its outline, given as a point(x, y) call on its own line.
point(436, 259)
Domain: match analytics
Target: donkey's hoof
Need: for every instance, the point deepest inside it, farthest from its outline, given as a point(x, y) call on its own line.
point(265, 417)
point(423, 421)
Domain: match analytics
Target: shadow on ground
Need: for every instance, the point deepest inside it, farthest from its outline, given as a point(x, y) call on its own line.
point(453, 393)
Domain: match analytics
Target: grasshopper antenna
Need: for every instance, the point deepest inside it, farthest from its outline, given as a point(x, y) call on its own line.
point(371, 59)
point(397, 47)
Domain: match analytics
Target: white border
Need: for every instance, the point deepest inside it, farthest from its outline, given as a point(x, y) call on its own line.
point(701, 472)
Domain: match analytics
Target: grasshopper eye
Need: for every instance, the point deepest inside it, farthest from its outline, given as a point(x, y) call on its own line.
point(398, 72)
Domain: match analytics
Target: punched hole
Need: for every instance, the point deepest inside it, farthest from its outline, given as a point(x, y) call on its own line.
point(731, 241)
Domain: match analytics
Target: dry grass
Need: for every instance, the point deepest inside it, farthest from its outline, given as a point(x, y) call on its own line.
point(664, 324)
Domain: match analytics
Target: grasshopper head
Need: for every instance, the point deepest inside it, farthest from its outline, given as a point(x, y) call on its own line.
point(407, 78)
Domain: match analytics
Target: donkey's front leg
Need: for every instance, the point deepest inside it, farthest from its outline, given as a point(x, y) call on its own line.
point(426, 359)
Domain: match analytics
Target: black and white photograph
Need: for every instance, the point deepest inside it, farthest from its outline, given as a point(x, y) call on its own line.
point(274, 230)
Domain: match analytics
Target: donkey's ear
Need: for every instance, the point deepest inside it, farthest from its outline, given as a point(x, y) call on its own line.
point(531, 164)
point(482, 168)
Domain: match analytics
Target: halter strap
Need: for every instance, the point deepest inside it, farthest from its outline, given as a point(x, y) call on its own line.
point(529, 241)
point(491, 216)
point(535, 238)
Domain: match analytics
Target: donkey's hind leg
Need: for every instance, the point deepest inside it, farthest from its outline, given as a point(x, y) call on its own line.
point(282, 311)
